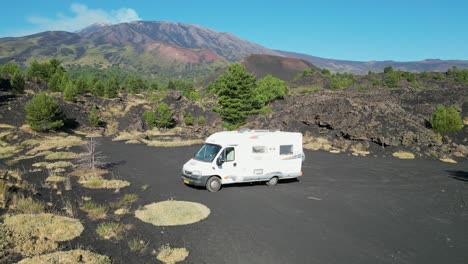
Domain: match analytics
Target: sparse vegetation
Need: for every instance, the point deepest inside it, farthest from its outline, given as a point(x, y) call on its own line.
point(62, 155)
point(125, 200)
point(171, 213)
point(403, 155)
point(137, 244)
point(29, 206)
point(94, 210)
point(72, 256)
point(33, 234)
point(170, 255)
point(110, 230)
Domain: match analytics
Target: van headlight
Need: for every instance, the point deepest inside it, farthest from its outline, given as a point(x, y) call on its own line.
point(196, 173)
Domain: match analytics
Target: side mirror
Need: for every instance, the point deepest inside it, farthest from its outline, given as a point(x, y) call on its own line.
point(220, 161)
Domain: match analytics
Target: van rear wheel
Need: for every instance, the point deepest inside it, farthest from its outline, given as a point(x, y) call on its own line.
point(213, 184)
point(273, 181)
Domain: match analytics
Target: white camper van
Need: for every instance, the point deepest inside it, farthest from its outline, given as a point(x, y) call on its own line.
point(245, 156)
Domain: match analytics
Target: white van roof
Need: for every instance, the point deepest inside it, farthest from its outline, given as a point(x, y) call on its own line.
point(248, 136)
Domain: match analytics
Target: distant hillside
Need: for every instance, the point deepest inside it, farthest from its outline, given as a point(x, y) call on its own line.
point(362, 67)
point(262, 65)
point(157, 49)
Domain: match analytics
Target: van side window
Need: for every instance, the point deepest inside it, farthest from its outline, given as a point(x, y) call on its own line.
point(258, 149)
point(286, 149)
point(229, 154)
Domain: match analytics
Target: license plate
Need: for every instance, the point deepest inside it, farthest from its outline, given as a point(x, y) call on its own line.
point(186, 181)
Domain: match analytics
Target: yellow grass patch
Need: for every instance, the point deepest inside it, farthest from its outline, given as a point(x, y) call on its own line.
point(317, 143)
point(133, 141)
point(104, 184)
point(53, 165)
point(34, 234)
point(57, 143)
point(68, 257)
point(31, 142)
point(26, 128)
point(335, 151)
point(94, 210)
point(172, 213)
point(157, 132)
point(8, 151)
point(132, 135)
point(4, 134)
point(55, 178)
point(6, 126)
point(448, 160)
point(62, 155)
point(403, 155)
point(89, 173)
point(170, 255)
point(465, 120)
point(175, 143)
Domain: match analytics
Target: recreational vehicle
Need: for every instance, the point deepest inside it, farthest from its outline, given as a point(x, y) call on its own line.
point(245, 156)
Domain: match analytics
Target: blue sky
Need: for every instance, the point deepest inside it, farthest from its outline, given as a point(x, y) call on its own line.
point(352, 30)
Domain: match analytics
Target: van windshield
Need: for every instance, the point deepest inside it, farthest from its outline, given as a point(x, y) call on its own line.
point(208, 152)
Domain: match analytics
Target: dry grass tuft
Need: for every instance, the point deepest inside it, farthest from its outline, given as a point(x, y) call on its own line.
point(359, 150)
point(172, 213)
point(68, 257)
point(53, 165)
point(89, 173)
point(126, 136)
point(62, 155)
point(403, 155)
point(137, 244)
point(448, 160)
point(34, 234)
point(31, 142)
point(157, 132)
point(8, 151)
point(319, 143)
point(95, 211)
point(110, 230)
point(55, 178)
point(133, 141)
point(175, 143)
point(6, 126)
point(99, 183)
point(170, 255)
point(57, 143)
point(29, 206)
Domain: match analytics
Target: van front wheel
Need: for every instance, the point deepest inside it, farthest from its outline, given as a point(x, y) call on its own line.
point(273, 181)
point(213, 184)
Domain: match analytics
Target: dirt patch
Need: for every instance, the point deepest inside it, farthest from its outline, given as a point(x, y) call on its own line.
point(68, 257)
point(170, 255)
point(172, 213)
point(33, 234)
point(403, 155)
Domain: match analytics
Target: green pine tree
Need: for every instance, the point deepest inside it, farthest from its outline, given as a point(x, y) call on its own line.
point(43, 113)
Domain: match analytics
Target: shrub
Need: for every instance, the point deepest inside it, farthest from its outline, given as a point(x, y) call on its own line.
point(270, 88)
point(388, 69)
point(150, 118)
point(93, 117)
point(17, 82)
point(43, 113)
point(137, 244)
point(94, 210)
point(69, 93)
point(391, 80)
point(188, 119)
point(164, 116)
point(446, 120)
point(110, 230)
point(201, 120)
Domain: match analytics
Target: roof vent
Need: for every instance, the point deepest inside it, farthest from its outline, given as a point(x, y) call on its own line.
point(243, 129)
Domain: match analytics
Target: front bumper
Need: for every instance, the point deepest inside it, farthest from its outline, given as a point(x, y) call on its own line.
point(195, 180)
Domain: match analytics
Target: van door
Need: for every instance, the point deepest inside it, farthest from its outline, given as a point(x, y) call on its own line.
point(229, 169)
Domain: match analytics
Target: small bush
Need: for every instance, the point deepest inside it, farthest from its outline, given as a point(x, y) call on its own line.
point(446, 119)
point(125, 200)
point(150, 118)
point(93, 117)
point(110, 230)
point(137, 244)
point(94, 210)
point(43, 113)
point(29, 206)
point(188, 119)
point(201, 120)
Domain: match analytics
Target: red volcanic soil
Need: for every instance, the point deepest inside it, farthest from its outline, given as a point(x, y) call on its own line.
point(181, 54)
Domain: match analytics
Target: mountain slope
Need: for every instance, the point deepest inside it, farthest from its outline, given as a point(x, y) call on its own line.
point(362, 67)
